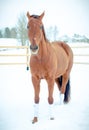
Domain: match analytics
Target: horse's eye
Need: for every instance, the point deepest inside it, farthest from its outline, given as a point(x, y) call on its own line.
point(41, 27)
point(28, 27)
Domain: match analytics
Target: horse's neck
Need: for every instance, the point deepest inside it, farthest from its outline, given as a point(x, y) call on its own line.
point(43, 50)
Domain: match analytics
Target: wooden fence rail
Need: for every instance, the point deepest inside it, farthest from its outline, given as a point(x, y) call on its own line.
point(80, 54)
point(27, 54)
point(16, 55)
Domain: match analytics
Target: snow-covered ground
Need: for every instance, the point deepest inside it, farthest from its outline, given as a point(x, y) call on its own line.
point(17, 94)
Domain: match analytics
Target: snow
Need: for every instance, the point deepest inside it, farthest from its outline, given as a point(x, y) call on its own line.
point(17, 100)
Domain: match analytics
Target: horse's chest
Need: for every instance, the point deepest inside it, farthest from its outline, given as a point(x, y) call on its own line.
point(39, 68)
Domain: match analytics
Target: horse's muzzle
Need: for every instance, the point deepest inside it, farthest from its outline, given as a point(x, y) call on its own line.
point(34, 49)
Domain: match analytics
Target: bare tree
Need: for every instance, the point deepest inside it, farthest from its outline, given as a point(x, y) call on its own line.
point(22, 29)
point(13, 33)
point(55, 32)
point(52, 33)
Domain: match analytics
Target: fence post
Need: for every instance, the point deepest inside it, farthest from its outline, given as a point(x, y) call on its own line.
point(27, 54)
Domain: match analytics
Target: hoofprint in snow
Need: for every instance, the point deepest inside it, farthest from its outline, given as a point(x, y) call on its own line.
point(17, 97)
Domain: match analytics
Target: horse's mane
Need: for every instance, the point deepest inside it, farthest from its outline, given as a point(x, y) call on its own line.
point(44, 34)
point(37, 16)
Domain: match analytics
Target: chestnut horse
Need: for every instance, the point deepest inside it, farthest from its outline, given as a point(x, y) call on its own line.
point(50, 61)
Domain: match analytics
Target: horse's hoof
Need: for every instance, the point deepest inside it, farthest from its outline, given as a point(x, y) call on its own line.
point(51, 118)
point(34, 120)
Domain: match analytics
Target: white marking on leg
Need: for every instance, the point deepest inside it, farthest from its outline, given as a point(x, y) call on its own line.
point(51, 113)
point(61, 98)
point(36, 110)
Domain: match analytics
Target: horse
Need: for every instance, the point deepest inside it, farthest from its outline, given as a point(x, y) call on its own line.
point(51, 61)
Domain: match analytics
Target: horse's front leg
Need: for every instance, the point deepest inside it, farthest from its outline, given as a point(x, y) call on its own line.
point(36, 85)
point(50, 82)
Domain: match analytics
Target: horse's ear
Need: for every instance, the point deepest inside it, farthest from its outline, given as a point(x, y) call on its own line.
point(28, 15)
point(41, 16)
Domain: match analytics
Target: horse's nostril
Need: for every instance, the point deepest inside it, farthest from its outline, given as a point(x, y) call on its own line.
point(30, 47)
point(33, 47)
point(36, 47)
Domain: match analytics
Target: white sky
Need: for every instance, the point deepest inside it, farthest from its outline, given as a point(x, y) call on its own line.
point(71, 16)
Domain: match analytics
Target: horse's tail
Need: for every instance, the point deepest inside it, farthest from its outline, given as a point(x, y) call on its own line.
point(67, 91)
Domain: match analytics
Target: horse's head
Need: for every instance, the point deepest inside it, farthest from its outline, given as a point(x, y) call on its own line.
point(35, 27)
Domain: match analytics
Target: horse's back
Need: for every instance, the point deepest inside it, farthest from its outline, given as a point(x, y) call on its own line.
point(62, 46)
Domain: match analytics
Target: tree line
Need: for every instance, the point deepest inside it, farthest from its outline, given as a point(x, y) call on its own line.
point(8, 33)
point(20, 32)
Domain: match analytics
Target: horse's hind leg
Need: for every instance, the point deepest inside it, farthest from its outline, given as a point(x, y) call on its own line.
point(65, 78)
point(65, 88)
point(59, 85)
point(59, 82)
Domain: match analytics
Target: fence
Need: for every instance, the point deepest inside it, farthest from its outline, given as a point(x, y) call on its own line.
point(82, 51)
point(27, 55)
point(16, 55)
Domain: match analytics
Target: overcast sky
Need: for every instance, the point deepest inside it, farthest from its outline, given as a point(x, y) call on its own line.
point(71, 16)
